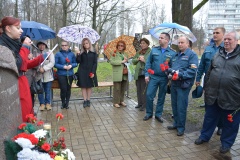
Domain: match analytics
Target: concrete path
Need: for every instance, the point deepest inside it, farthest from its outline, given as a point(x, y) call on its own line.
point(107, 133)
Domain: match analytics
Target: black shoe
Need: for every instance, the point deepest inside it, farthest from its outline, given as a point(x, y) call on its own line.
point(219, 131)
point(66, 105)
point(84, 104)
point(147, 118)
point(199, 141)
point(159, 119)
point(88, 103)
point(202, 105)
point(137, 106)
point(171, 127)
point(224, 149)
point(63, 105)
point(180, 133)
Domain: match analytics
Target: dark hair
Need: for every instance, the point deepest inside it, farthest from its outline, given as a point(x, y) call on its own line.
point(166, 35)
point(23, 38)
point(7, 21)
point(124, 44)
point(145, 40)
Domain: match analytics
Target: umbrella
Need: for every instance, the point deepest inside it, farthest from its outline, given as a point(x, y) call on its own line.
point(37, 31)
point(111, 46)
point(174, 30)
point(76, 33)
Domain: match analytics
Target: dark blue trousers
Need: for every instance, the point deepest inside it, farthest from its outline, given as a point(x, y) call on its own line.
point(229, 130)
point(179, 99)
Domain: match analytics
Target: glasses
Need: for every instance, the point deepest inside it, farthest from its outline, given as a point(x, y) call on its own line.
point(120, 45)
point(216, 32)
point(64, 45)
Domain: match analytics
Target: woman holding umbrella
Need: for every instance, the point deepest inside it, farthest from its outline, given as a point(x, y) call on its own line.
point(120, 76)
point(87, 77)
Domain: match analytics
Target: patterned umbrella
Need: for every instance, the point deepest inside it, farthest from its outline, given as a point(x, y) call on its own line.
point(76, 33)
point(111, 46)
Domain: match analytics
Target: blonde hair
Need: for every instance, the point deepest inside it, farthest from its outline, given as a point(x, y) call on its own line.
point(82, 46)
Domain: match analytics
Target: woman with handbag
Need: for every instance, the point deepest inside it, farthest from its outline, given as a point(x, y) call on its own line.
point(65, 61)
point(10, 38)
point(120, 75)
point(140, 60)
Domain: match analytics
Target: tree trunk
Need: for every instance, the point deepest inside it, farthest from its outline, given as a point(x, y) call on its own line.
point(16, 9)
point(182, 12)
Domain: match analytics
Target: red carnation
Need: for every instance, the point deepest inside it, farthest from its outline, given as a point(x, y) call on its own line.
point(40, 123)
point(230, 118)
point(22, 126)
point(63, 146)
point(52, 154)
point(46, 147)
point(67, 60)
point(175, 76)
point(62, 129)
point(91, 74)
point(59, 116)
point(162, 67)
point(150, 71)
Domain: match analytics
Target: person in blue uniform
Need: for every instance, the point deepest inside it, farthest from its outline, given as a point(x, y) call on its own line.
point(158, 80)
point(207, 56)
point(183, 72)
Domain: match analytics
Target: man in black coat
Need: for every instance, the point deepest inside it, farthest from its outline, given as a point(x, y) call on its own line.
point(222, 92)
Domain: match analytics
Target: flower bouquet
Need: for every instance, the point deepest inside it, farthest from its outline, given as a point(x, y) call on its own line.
point(34, 141)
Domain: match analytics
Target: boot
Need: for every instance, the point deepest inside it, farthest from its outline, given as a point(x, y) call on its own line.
point(48, 106)
point(84, 104)
point(88, 103)
point(42, 107)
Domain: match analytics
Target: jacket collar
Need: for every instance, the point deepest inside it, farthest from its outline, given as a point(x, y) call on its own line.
point(235, 52)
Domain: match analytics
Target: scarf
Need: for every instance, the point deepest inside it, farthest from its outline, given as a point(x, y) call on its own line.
point(14, 46)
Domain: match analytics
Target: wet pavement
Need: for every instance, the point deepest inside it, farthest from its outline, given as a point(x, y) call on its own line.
point(107, 133)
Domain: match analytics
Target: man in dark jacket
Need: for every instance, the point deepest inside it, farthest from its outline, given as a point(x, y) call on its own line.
point(207, 56)
point(222, 92)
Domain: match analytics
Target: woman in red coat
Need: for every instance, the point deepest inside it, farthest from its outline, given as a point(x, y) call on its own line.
point(24, 88)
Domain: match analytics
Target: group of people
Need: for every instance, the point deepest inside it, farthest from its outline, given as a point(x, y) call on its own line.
point(156, 69)
point(219, 63)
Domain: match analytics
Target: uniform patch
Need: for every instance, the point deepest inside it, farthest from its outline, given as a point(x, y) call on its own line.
point(193, 66)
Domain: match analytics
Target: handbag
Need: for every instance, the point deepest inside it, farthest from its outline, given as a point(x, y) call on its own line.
point(36, 87)
point(125, 70)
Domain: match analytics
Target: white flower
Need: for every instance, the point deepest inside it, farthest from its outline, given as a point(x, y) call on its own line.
point(40, 133)
point(25, 154)
point(28, 154)
point(24, 143)
point(69, 153)
point(40, 156)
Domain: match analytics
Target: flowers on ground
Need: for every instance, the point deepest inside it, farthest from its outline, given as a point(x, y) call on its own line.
point(35, 143)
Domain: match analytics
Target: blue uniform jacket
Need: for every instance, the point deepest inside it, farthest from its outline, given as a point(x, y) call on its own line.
point(186, 63)
point(60, 62)
point(207, 56)
point(155, 58)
